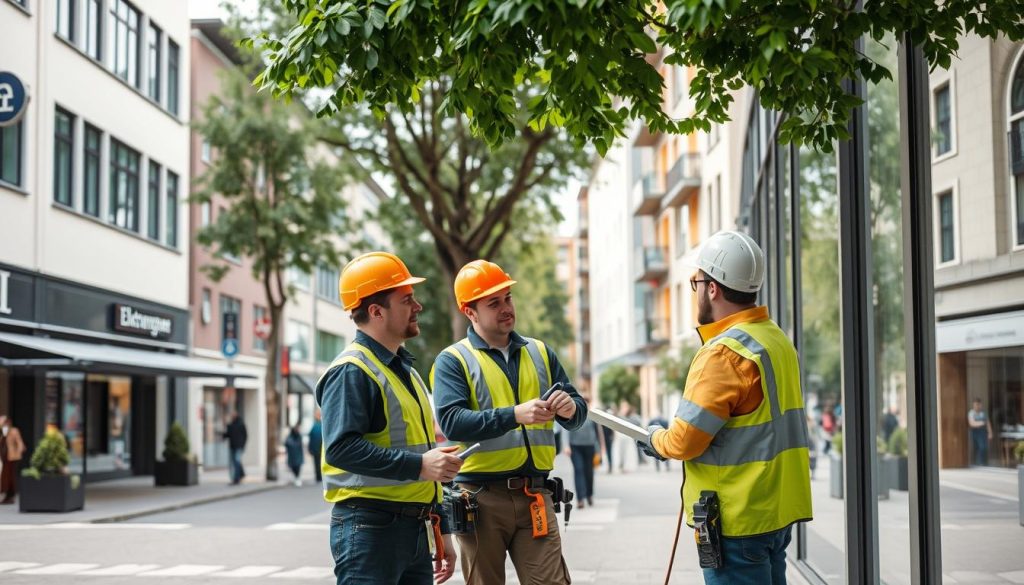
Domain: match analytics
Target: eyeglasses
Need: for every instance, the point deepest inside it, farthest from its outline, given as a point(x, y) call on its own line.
point(694, 281)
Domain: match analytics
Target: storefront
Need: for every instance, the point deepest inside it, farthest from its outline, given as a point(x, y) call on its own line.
point(104, 369)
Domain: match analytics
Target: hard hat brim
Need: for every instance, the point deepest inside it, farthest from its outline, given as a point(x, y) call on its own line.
point(407, 282)
point(490, 291)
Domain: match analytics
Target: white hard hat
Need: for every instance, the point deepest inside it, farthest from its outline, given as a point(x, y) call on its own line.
point(734, 259)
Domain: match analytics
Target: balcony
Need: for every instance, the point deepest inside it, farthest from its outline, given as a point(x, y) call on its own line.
point(647, 195)
point(651, 332)
point(682, 180)
point(1017, 148)
point(583, 225)
point(650, 263)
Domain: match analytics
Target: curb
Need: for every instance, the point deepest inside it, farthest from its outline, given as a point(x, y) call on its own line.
point(186, 504)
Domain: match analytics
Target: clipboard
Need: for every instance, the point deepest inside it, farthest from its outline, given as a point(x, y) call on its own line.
point(619, 425)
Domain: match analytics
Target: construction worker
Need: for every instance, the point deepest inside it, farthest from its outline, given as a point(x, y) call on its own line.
point(380, 465)
point(740, 427)
point(488, 388)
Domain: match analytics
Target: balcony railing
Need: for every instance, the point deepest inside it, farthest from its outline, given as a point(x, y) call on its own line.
point(650, 263)
point(651, 331)
point(683, 179)
point(647, 194)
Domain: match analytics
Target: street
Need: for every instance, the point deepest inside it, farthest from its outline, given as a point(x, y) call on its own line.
point(625, 538)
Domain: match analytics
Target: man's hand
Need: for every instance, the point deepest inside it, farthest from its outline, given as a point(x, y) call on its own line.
point(562, 404)
point(440, 464)
point(444, 568)
point(535, 411)
point(647, 446)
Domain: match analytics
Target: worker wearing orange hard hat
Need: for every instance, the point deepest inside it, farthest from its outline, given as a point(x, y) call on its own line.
point(489, 388)
point(381, 466)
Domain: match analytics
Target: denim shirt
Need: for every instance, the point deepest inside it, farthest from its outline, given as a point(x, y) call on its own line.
point(459, 422)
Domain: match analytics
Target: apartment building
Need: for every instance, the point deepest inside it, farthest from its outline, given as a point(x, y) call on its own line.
point(94, 327)
point(567, 274)
point(581, 294)
point(977, 109)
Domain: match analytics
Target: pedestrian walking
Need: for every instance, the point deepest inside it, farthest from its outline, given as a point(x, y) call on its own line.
point(237, 436)
point(981, 432)
point(12, 448)
point(488, 389)
point(381, 468)
point(585, 443)
point(293, 448)
point(742, 391)
point(316, 441)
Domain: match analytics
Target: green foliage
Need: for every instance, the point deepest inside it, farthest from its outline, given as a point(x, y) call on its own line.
point(1018, 452)
point(51, 455)
point(675, 368)
point(837, 442)
point(618, 383)
point(898, 442)
point(176, 446)
point(583, 63)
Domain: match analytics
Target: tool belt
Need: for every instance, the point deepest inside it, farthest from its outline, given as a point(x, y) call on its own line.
point(416, 511)
point(533, 482)
point(707, 530)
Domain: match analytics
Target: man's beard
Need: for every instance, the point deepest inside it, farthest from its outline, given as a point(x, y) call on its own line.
point(412, 330)
point(704, 315)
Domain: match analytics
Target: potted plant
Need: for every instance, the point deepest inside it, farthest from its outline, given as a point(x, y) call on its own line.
point(178, 467)
point(897, 448)
point(46, 486)
point(1018, 453)
point(836, 466)
point(886, 469)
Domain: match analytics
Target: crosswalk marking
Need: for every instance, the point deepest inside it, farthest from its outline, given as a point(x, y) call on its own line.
point(306, 573)
point(58, 569)
point(14, 565)
point(183, 571)
point(118, 570)
point(252, 571)
point(322, 526)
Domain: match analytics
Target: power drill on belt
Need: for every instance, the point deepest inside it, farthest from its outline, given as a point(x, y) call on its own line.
point(559, 496)
point(707, 526)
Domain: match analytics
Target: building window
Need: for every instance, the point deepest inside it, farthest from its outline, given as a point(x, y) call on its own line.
point(204, 214)
point(172, 210)
point(230, 306)
point(124, 21)
point(205, 312)
point(296, 336)
point(328, 346)
point(327, 284)
point(678, 84)
point(298, 278)
point(124, 186)
point(259, 314)
point(91, 155)
point(683, 230)
point(153, 202)
point(943, 121)
point(172, 77)
point(1017, 149)
point(66, 19)
point(94, 29)
point(154, 42)
point(10, 154)
point(204, 151)
point(63, 156)
point(947, 249)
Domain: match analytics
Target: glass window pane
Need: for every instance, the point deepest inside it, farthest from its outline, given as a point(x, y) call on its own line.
point(297, 337)
point(172, 77)
point(10, 154)
point(153, 202)
point(943, 127)
point(1017, 89)
point(91, 194)
point(63, 144)
point(172, 209)
point(93, 30)
point(154, 63)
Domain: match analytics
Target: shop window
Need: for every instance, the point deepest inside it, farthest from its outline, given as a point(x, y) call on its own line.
point(153, 63)
point(171, 208)
point(91, 184)
point(11, 154)
point(153, 202)
point(124, 186)
point(124, 23)
point(63, 157)
point(328, 346)
point(296, 336)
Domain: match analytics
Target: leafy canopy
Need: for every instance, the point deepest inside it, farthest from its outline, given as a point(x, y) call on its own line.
point(618, 383)
point(585, 61)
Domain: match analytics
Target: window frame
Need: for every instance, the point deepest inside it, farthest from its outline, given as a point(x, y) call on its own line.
point(93, 30)
point(939, 191)
point(320, 346)
point(116, 168)
point(67, 142)
point(173, 77)
point(89, 155)
point(1016, 215)
point(153, 191)
point(19, 157)
point(171, 197)
point(154, 61)
point(258, 312)
point(224, 303)
point(947, 83)
point(69, 34)
point(303, 330)
point(122, 25)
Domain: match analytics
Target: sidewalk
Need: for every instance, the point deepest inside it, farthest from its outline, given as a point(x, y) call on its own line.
point(122, 499)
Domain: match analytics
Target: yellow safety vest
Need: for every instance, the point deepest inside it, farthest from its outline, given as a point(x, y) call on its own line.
point(757, 462)
point(409, 426)
point(489, 388)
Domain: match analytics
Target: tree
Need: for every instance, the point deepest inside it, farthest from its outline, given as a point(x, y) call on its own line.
point(584, 60)
point(675, 368)
point(284, 206)
point(463, 194)
point(618, 383)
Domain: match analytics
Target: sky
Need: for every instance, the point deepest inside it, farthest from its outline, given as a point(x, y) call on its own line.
point(566, 199)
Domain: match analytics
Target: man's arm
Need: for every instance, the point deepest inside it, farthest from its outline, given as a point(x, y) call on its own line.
point(349, 401)
point(455, 415)
point(558, 375)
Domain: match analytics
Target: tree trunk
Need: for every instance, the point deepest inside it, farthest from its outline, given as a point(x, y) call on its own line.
point(270, 386)
point(449, 268)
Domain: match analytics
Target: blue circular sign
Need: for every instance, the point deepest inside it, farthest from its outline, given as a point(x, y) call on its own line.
point(12, 98)
point(229, 348)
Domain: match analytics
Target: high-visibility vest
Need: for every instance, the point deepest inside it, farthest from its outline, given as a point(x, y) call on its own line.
point(489, 388)
point(757, 462)
point(409, 426)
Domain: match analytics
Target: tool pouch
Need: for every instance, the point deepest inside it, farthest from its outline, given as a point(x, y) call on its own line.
point(707, 526)
point(461, 509)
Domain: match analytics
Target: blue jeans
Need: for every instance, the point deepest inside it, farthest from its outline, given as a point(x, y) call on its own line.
point(237, 471)
point(756, 560)
point(583, 471)
point(980, 439)
point(370, 547)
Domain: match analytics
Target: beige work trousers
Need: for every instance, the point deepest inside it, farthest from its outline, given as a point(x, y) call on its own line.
point(503, 524)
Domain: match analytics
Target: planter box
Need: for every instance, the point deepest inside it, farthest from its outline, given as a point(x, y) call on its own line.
point(835, 476)
point(886, 470)
point(899, 478)
point(181, 473)
point(1020, 493)
point(50, 493)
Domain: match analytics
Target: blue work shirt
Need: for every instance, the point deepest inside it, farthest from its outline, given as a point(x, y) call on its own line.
point(458, 420)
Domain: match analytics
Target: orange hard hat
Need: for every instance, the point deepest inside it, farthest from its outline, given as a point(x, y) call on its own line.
point(478, 279)
point(371, 273)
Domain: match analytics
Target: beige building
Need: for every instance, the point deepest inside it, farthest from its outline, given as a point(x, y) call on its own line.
point(978, 181)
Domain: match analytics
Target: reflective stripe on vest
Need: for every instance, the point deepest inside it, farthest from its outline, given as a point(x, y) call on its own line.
point(404, 421)
point(489, 389)
point(757, 462)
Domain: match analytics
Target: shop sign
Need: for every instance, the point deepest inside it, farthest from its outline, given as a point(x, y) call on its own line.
point(129, 319)
point(985, 332)
point(12, 98)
